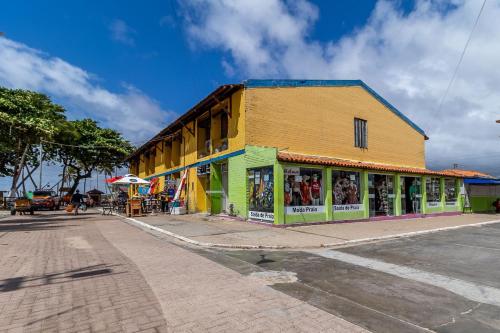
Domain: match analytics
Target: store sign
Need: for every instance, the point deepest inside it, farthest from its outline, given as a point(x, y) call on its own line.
point(261, 215)
point(348, 208)
point(433, 204)
point(292, 171)
point(451, 203)
point(203, 170)
point(291, 210)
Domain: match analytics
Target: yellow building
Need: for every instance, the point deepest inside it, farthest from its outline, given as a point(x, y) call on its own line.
point(294, 151)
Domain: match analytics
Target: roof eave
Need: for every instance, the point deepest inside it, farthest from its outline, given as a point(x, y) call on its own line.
point(210, 100)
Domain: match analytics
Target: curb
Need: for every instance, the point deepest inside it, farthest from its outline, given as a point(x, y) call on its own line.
point(409, 234)
point(283, 247)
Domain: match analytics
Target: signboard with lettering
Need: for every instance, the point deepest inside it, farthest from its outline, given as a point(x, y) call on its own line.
point(433, 204)
point(203, 170)
point(348, 208)
point(291, 210)
point(261, 215)
point(291, 171)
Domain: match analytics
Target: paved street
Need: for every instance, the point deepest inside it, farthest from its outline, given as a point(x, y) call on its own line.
point(90, 273)
point(444, 282)
point(60, 273)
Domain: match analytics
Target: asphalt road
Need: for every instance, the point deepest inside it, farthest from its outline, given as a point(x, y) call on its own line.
point(442, 282)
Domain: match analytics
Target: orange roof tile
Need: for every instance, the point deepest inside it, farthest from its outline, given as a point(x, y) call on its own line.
point(321, 160)
point(468, 173)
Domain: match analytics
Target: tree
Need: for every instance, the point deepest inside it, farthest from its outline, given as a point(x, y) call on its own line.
point(26, 117)
point(84, 147)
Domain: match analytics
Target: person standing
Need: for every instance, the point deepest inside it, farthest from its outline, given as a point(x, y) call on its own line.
point(76, 200)
point(414, 190)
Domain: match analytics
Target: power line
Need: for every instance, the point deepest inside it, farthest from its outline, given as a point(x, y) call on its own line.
point(461, 57)
point(76, 146)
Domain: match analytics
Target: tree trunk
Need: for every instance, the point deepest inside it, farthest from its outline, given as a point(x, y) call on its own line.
point(62, 180)
point(17, 169)
point(77, 181)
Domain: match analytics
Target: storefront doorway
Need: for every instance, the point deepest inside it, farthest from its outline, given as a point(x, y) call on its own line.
point(381, 194)
point(411, 198)
point(224, 190)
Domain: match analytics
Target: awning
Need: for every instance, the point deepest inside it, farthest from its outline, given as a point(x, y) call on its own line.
point(322, 160)
point(481, 181)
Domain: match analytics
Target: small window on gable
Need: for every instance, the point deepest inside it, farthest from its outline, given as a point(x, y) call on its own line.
point(360, 133)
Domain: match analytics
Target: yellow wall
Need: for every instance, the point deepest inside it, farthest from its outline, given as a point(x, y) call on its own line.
point(320, 121)
point(186, 153)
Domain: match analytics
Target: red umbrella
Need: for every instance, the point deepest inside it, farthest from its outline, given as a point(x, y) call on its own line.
point(113, 179)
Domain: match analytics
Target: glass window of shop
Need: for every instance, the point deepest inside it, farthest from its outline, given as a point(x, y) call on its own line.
point(433, 189)
point(381, 194)
point(450, 191)
point(261, 193)
point(304, 191)
point(346, 187)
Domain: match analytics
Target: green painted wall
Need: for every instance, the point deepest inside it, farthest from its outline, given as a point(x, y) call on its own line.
point(237, 167)
point(482, 204)
point(216, 188)
point(279, 195)
point(262, 156)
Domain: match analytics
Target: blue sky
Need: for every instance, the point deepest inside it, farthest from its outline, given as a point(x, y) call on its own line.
point(144, 63)
point(157, 59)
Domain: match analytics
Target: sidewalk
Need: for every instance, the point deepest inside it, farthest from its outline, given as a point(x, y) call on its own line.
point(225, 232)
point(93, 273)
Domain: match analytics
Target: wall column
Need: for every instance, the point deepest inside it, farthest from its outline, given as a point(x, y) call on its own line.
point(443, 195)
point(365, 193)
point(279, 195)
point(328, 194)
point(423, 202)
point(397, 192)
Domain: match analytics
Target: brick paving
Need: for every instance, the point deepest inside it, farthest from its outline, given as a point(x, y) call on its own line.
point(61, 275)
point(97, 274)
point(198, 295)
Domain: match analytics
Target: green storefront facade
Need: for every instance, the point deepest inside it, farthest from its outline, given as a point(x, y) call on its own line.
point(262, 187)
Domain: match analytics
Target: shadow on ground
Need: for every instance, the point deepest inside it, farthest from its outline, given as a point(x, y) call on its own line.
point(82, 273)
point(49, 221)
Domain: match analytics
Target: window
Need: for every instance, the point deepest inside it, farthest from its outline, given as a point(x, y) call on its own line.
point(303, 188)
point(261, 193)
point(346, 187)
point(450, 191)
point(360, 133)
point(433, 189)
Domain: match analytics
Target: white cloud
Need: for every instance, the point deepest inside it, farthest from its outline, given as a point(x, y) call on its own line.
point(121, 32)
point(408, 58)
point(131, 112)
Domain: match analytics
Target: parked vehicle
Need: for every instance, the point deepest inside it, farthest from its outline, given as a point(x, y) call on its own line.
point(22, 206)
point(45, 199)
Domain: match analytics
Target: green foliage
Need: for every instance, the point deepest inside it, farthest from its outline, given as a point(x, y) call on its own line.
point(82, 146)
point(86, 147)
point(25, 117)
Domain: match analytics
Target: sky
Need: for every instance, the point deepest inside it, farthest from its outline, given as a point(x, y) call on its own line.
point(135, 66)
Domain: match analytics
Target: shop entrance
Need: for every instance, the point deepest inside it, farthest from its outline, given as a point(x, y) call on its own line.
point(410, 195)
point(224, 176)
point(381, 194)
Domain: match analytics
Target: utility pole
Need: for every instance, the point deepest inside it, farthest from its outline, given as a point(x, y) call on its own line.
point(41, 162)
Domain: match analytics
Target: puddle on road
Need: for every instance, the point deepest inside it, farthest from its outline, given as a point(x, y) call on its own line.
point(272, 277)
